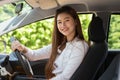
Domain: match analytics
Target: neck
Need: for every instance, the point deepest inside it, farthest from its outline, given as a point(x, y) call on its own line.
point(70, 38)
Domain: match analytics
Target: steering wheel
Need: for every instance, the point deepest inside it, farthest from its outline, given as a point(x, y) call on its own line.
point(25, 63)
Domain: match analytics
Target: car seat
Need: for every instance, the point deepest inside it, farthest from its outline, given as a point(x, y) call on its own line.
point(113, 70)
point(96, 54)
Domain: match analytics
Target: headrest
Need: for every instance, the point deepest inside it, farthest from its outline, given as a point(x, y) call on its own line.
point(95, 30)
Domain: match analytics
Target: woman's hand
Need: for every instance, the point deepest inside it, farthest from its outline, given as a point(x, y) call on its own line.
point(17, 45)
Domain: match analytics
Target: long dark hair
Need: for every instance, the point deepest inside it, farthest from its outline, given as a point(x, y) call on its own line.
point(58, 38)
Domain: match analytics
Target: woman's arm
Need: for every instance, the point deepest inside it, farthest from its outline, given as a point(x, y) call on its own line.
point(38, 54)
point(32, 55)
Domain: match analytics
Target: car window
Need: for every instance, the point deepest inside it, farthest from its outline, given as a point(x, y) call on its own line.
point(114, 32)
point(2, 46)
point(85, 20)
point(38, 34)
point(8, 10)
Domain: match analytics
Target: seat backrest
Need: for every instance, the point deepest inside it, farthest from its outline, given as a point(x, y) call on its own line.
point(96, 53)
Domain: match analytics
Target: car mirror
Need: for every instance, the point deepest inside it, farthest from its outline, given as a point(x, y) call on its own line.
point(18, 7)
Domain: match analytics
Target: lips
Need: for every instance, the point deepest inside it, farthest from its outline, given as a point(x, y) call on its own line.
point(64, 30)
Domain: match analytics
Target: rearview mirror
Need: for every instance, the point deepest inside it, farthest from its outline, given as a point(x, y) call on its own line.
point(19, 8)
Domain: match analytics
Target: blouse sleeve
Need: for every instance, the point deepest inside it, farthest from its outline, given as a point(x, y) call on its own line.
point(38, 54)
point(77, 55)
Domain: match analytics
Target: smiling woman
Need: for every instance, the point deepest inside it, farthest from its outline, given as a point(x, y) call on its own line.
point(67, 35)
point(35, 23)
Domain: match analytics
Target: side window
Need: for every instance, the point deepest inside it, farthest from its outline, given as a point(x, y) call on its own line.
point(38, 34)
point(85, 20)
point(2, 46)
point(34, 35)
point(114, 32)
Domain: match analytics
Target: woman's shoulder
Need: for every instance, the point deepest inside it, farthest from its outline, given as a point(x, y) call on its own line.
point(80, 43)
point(80, 46)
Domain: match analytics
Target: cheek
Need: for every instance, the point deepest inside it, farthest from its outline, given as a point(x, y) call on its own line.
point(72, 25)
point(59, 28)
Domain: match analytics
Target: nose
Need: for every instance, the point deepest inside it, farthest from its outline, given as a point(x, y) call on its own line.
point(63, 25)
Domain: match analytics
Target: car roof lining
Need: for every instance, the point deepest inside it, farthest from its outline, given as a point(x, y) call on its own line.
point(97, 5)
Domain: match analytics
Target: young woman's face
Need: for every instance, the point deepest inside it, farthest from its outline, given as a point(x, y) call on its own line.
point(66, 25)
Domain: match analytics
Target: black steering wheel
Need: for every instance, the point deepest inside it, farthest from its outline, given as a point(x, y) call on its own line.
point(25, 63)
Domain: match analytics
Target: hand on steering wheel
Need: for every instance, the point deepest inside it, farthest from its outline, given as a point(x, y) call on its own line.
point(23, 60)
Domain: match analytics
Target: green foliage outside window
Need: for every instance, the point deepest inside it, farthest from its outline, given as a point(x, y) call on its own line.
point(114, 32)
point(34, 35)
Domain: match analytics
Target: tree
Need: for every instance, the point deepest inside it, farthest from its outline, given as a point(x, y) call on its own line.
point(114, 32)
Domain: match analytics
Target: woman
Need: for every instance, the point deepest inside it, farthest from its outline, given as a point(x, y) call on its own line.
point(68, 46)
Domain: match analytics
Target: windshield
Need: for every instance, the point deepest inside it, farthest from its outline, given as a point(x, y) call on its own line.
point(7, 11)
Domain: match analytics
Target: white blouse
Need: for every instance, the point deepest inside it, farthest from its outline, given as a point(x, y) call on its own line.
point(66, 62)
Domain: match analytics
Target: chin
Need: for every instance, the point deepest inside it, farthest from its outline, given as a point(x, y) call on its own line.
point(65, 34)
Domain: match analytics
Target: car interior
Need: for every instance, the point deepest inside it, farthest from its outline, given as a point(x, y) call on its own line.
point(102, 61)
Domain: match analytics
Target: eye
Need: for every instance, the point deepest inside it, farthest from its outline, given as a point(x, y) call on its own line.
point(67, 20)
point(59, 22)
